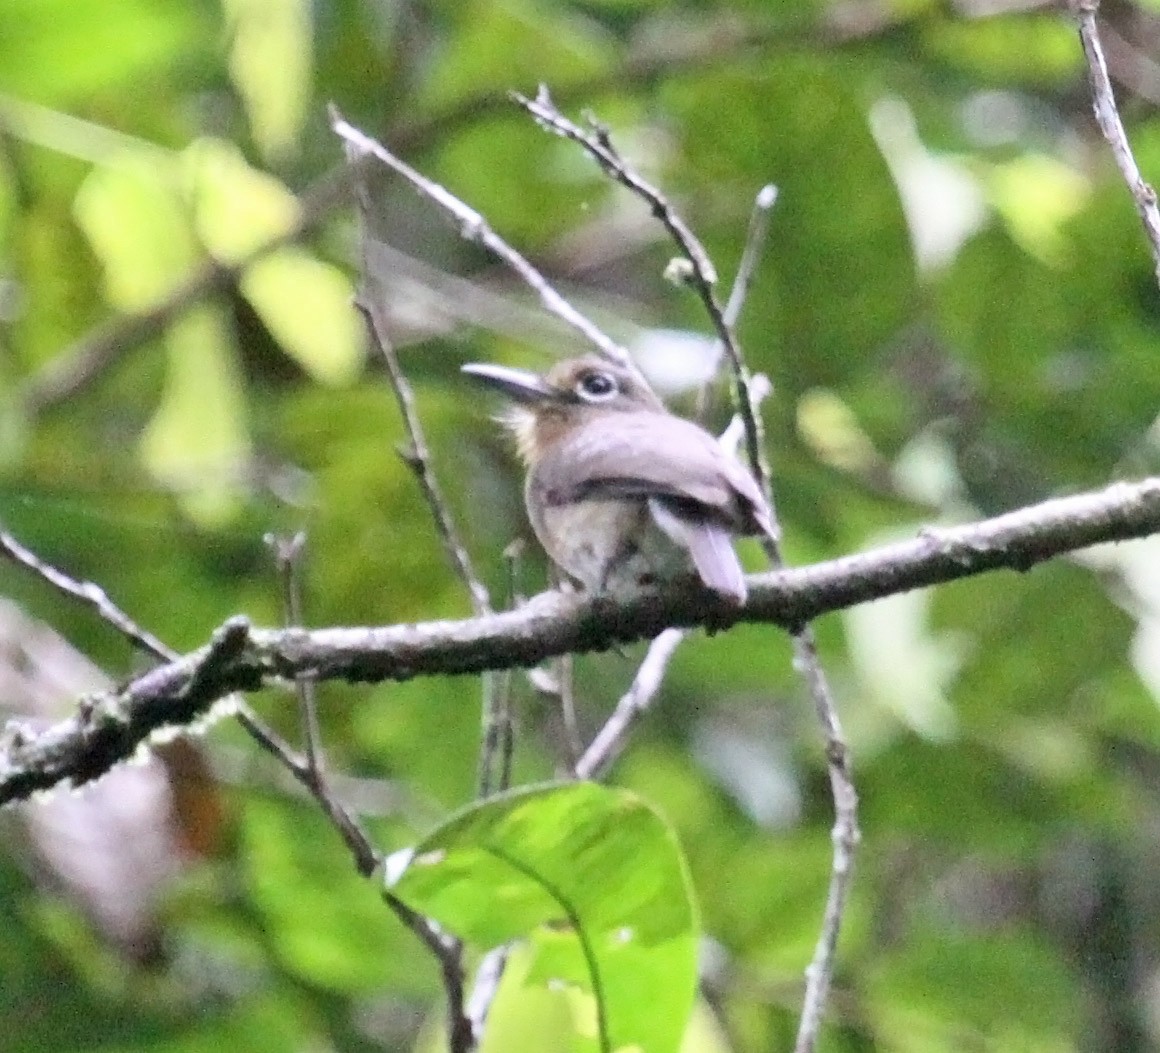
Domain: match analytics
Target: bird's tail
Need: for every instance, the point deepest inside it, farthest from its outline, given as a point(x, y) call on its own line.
point(710, 544)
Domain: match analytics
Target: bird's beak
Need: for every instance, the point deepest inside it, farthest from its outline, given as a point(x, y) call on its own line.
point(518, 384)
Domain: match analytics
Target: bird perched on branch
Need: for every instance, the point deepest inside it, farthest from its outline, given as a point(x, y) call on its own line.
point(620, 492)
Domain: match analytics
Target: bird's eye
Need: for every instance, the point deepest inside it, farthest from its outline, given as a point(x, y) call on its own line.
point(596, 387)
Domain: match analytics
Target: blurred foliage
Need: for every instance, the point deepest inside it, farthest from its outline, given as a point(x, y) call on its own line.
point(960, 315)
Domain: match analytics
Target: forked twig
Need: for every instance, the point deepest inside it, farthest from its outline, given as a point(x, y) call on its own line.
point(701, 275)
point(473, 227)
point(497, 736)
point(233, 635)
point(417, 455)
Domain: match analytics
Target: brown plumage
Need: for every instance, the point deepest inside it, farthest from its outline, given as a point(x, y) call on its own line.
point(619, 491)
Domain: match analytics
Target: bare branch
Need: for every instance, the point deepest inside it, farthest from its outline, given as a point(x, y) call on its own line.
point(1108, 118)
point(311, 771)
point(475, 228)
point(846, 835)
point(417, 456)
point(701, 274)
point(606, 747)
point(108, 728)
point(751, 255)
point(88, 593)
point(448, 951)
point(759, 386)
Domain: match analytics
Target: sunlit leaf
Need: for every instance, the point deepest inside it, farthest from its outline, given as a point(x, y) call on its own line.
point(1036, 196)
point(197, 441)
point(237, 207)
point(132, 213)
point(271, 61)
point(596, 878)
point(308, 306)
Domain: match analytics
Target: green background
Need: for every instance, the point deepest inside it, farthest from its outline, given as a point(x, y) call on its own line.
point(959, 314)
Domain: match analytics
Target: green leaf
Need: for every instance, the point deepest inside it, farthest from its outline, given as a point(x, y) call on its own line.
point(237, 207)
point(198, 442)
point(133, 216)
point(64, 52)
point(304, 302)
point(307, 305)
point(271, 65)
point(1011, 987)
point(598, 880)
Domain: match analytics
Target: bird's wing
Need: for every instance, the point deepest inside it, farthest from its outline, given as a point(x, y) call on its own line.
point(653, 455)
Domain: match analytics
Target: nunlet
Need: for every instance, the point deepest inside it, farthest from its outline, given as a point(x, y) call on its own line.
point(621, 492)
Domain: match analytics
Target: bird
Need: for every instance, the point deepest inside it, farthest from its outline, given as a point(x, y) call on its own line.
point(620, 492)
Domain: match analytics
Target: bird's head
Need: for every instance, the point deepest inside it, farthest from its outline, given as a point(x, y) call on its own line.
point(571, 394)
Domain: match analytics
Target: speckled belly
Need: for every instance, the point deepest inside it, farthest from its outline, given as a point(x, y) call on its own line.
point(607, 545)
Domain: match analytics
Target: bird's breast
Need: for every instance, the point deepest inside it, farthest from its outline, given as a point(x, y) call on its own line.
point(604, 544)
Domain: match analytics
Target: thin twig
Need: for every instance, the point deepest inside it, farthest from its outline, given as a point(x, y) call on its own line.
point(486, 986)
point(288, 558)
point(474, 228)
point(845, 835)
point(701, 274)
point(611, 738)
point(498, 740)
point(1108, 118)
point(566, 688)
point(288, 555)
point(417, 456)
point(448, 951)
point(496, 744)
point(88, 593)
point(750, 257)
point(462, 1035)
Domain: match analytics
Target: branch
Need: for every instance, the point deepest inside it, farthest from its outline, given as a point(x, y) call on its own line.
point(109, 728)
point(1108, 118)
point(610, 740)
point(701, 275)
point(845, 836)
point(417, 456)
point(475, 228)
